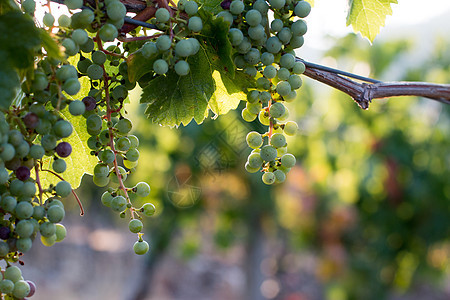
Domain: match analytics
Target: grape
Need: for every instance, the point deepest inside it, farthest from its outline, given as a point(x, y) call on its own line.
point(124, 126)
point(98, 57)
point(264, 118)
point(252, 57)
point(254, 140)
point(47, 229)
point(4, 250)
point(4, 176)
point(281, 151)
point(24, 244)
point(48, 241)
point(251, 169)
point(261, 6)
point(6, 286)
point(285, 35)
point(253, 96)
point(59, 165)
point(182, 68)
point(63, 20)
point(94, 123)
point(270, 72)
point(226, 16)
point(277, 4)
point(80, 36)
point(283, 74)
point(62, 129)
point(88, 46)
point(236, 36)
point(48, 19)
point(299, 27)
point(82, 19)
point(23, 210)
point(22, 173)
point(100, 181)
point(55, 214)
point(148, 209)
point(4, 232)
point(77, 108)
point(253, 17)
point(162, 15)
point(237, 7)
point(24, 228)
point(29, 6)
point(247, 116)
point(123, 144)
point(298, 68)
point(107, 199)
point(287, 61)
point(288, 160)
point(239, 61)
point(183, 48)
point(71, 86)
point(267, 58)
point(15, 187)
point(108, 32)
point(263, 83)
point(71, 47)
point(83, 65)
point(195, 24)
point(295, 81)
point(123, 174)
point(255, 160)
point(116, 10)
point(163, 42)
point(120, 92)
point(38, 212)
point(257, 32)
point(160, 66)
point(278, 140)
point(40, 81)
point(302, 9)
point(95, 72)
point(190, 7)
point(273, 44)
point(277, 109)
point(268, 178)
point(283, 88)
point(244, 46)
point(22, 150)
point(268, 153)
point(276, 25)
point(283, 117)
point(141, 247)
point(195, 45)
point(66, 72)
point(290, 128)
point(107, 156)
point(89, 103)
point(142, 189)
point(8, 203)
point(63, 189)
point(280, 176)
point(297, 42)
point(135, 226)
point(60, 233)
point(254, 108)
point(73, 4)
point(101, 170)
point(118, 203)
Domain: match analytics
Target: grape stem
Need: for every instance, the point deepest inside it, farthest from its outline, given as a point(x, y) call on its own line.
point(138, 38)
point(38, 182)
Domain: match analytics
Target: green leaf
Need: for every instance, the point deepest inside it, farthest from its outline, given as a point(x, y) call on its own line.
point(212, 6)
point(138, 65)
point(368, 16)
point(9, 85)
point(50, 46)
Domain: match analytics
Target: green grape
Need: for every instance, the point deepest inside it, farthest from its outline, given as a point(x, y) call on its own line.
point(253, 96)
point(141, 247)
point(16, 187)
point(281, 151)
point(250, 169)
point(23, 210)
point(63, 20)
point(183, 48)
point(254, 108)
point(270, 72)
point(132, 155)
point(100, 181)
point(94, 123)
point(302, 9)
point(62, 129)
point(267, 58)
point(29, 6)
point(130, 164)
point(257, 32)
point(195, 45)
point(88, 46)
point(63, 189)
point(48, 19)
point(71, 86)
point(47, 229)
point(261, 6)
point(195, 24)
point(287, 61)
point(182, 68)
point(71, 47)
point(8, 203)
point(254, 139)
point(264, 118)
point(263, 83)
point(280, 176)
point(116, 10)
point(290, 128)
point(135, 226)
point(295, 81)
point(98, 57)
point(284, 35)
point(80, 36)
point(277, 109)
point(237, 7)
point(278, 140)
point(95, 72)
point(283, 88)
point(299, 27)
point(124, 126)
point(251, 71)
point(123, 68)
point(160, 66)
point(236, 36)
point(40, 81)
point(244, 46)
point(273, 45)
point(82, 19)
point(48, 241)
point(276, 25)
point(190, 7)
point(148, 209)
point(60, 232)
point(252, 57)
point(77, 108)
point(107, 156)
point(24, 228)
point(24, 244)
point(73, 4)
point(59, 165)
point(12, 273)
point(55, 214)
point(283, 118)
point(107, 199)
point(6, 286)
point(21, 289)
point(268, 178)
point(108, 32)
point(66, 72)
point(15, 137)
point(277, 4)
point(162, 15)
point(83, 65)
point(255, 160)
point(120, 92)
point(122, 144)
point(48, 142)
point(142, 189)
point(4, 176)
point(253, 17)
point(4, 250)
point(297, 42)
point(38, 212)
point(268, 153)
point(118, 203)
point(288, 160)
point(247, 116)
point(149, 49)
point(23, 149)
point(123, 174)
point(163, 42)
point(298, 68)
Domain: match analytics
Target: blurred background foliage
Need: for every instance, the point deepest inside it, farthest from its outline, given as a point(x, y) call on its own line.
point(366, 210)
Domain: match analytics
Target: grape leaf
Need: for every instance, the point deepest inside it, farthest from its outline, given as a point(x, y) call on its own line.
point(139, 65)
point(222, 101)
point(368, 16)
point(212, 6)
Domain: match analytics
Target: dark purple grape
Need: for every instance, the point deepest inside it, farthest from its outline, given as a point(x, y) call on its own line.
point(225, 4)
point(32, 288)
point(31, 120)
point(22, 173)
point(90, 103)
point(63, 149)
point(4, 232)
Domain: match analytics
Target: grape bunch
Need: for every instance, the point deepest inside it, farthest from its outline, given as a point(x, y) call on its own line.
point(266, 52)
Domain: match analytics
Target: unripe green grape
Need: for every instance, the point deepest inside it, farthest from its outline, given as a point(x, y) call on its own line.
point(63, 20)
point(98, 57)
point(195, 45)
point(63, 189)
point(160, 66)
point(276, 25)
point(162, 15)
point(236, 36)
point(273, 44)
point(247, 116)
point(256, 32)
point(55, 214)
point(254, 108)
point(6, 286)
point(261, 6)
point(60, 232)
point(270, 72)
point(283, 118)
point(88, 46)
point(141, 247)
point(285, 35)
point(297, 41)
point(148, 209)
point(237, 7)
point(280, 176)
point(83, 65)
point(100, 181)
point(4, 176)
point(288, 160)
point(263, 83)
point(283, 74)
point(77, 108)
point(108, 32)
point(124, 126)
point(8, 203)
point(287, 61)
point(24, 228)
point(277, 109)
point(142, 189)
point(254, 140)
point(94, 124)
point(277, 4)
point(255, 160)
point(24, 244)
point(48, 241)
point(295, 81)
point(120, 92)
point(290, 128)
point(268, 153)
point(253, 17)
point(182, 68)
point(38, 212)
point(23, 149)
point(264, 118)
point(7, 152)
point(253, 96)
point(195, 24)
point(71, 47)
point(116, 10)
point(278, 140)
point(12, 273)
point(298, 68)
point(132, 155)
point(48, 19)
point(123, 174)
point(251, 169)
point(252, 57)
point(122, 144)
point(40, 81)
point(118, 203)
point(281, 151)
point(107, 156)
point(62, 129)
point(107, 199)
point(268, 178)
point(48, 142)
point(302, 9)
point(226, 16)
point(73, 4)
point(80, 36)
point(82, 19)
point(95, 72)
point(190, 7)
point(59, 165)
point(163, 42)
point(23, 210)
point(283, 88)
point(239, 62)
point(66, 72)
point(183, 48)
point(135, 226)
point(267, 58)
point(244, 46)
point(29, 6)
point(71, 86)
point(15, 187)
point(299, 27)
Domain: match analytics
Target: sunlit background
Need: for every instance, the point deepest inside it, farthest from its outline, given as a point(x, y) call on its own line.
point(365, 214)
